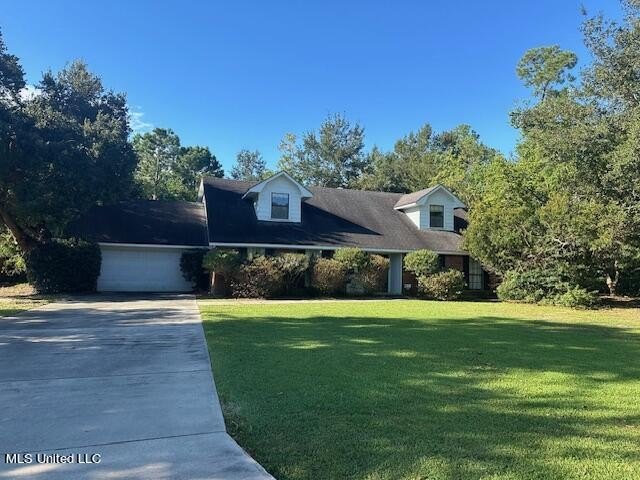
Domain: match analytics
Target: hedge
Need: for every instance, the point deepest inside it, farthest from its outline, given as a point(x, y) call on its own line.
point(64, 266)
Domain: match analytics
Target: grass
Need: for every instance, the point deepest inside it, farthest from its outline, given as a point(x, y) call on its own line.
point(17, 298)
point(427, 390)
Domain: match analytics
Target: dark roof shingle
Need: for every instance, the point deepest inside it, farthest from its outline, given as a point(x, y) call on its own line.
point(144, 222)
point(332, 217)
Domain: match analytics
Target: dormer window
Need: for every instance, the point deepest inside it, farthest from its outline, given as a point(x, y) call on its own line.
point(436, 216)
point(280, 206)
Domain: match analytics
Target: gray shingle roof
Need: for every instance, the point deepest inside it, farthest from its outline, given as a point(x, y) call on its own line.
point(413, 197)
point(333, 217)
point(144, 222)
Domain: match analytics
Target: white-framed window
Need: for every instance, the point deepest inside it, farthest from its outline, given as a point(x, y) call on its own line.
point(436, 216)
point(280, 206)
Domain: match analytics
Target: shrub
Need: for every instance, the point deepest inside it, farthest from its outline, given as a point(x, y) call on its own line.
point(192, 269)
point(576, 297)
point(447, 285)
point(11, 258)
point(421, 262)
point(353, 259)
point(293, 267)
point(259, 278)
point(222, 261)
point(532, 285)
point(373, 277)
point(328, 276)
point(59, 266)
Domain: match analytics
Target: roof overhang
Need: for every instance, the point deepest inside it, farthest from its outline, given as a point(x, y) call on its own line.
point(258, 187)
point(422, 200)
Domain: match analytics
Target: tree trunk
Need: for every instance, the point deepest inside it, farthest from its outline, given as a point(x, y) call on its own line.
point(23, 239)
point(612, 280)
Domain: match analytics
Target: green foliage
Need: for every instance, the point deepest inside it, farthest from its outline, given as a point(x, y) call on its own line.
point(191, 165)
point(542, 67)
point(332, 157)
point(64, 266)
point(421, 262)
point(569, 202)
point(373, 277)
point(11, 258)
point(223, 261)
point(328, 276)
point(261, 277)
point(192, 269)
point(293, 267)
point(447, 285)
point(455, 158)
point(250, 166)
point(168, 171)
point(63, 150)
point(545, 286)
point(531, 285)
point(576, 297)
point(353, 259)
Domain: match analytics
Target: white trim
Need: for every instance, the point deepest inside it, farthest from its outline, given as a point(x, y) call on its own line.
point(147, 245)
point(257, 188)
point(423, 199)
point(322, 247)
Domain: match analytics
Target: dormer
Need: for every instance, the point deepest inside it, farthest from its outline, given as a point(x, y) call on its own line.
point(431, 208)
point(278, 198)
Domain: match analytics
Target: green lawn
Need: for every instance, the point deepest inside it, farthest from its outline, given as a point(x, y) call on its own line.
point(18, 298)
point(427, 390)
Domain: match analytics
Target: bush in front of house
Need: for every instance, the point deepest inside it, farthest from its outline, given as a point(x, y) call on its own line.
point(328, 276)
point(193, 270)
point(293, 267)
point(421, 262)
point(64, 266)
point(543, 285)
point(373, 277)
point(576, 297)
point(446, 285)
point(221, 260)
point(353, 259)
point(261, 277)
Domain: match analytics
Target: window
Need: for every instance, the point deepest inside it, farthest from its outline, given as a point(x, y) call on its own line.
point(476, 275)
point(280, 206)
point(436, 216)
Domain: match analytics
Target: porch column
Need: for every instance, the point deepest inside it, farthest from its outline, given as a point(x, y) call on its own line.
point(394, 284)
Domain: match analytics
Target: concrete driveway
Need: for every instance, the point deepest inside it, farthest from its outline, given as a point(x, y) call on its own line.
point(125, 378)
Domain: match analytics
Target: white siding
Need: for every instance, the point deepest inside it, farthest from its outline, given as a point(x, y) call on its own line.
point(415, 215)
point(419, 214)
point(279, 185)
point(444, 199)
point(141, 269)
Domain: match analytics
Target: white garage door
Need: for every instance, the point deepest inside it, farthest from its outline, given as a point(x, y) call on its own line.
point(141, 269)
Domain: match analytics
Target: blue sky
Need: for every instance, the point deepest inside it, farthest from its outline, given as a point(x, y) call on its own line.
point(240, 74)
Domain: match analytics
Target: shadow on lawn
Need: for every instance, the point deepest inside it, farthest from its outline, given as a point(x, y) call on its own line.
point(365, 397)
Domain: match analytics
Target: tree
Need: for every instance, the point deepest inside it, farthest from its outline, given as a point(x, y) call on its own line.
point(543, 67)
point(168, 171)
point(454, 158)
point(63, 151)
point(249, 166)
point(192, 164)
point(157, 152)
point(569, 203)
point(332, 157)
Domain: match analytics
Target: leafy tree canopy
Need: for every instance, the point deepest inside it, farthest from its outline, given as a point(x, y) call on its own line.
point(166, 170)
point(332, 157)
point(63, 150)
point(250, 166)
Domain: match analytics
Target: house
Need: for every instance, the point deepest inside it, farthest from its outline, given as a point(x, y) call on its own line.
point(142, 241)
